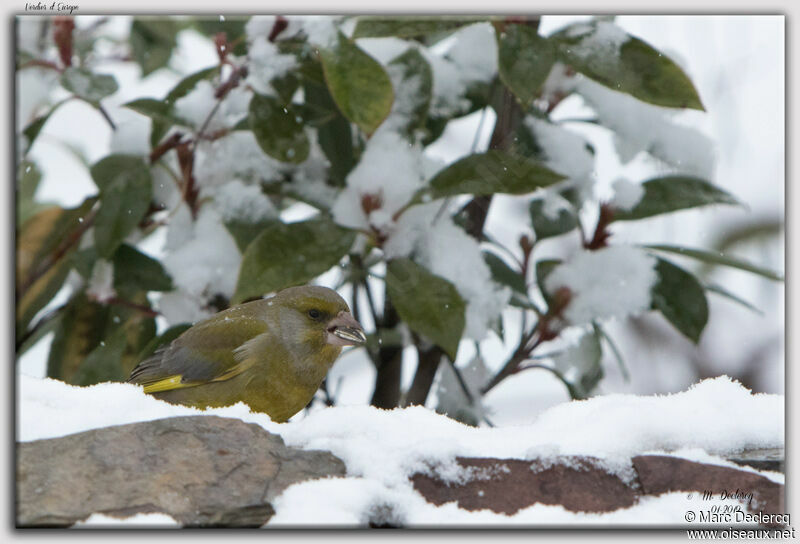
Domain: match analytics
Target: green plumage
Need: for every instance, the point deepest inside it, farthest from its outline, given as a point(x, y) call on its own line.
point(271, 354)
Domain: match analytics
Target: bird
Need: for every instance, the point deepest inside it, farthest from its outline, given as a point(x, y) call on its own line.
point(272, 354)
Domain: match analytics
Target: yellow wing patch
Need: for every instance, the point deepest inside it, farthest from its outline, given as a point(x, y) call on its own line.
point(174, 382)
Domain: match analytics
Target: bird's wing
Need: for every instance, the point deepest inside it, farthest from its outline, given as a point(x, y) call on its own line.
point(212, 351)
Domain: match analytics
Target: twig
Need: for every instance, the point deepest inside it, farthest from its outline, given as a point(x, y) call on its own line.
point(146, 310)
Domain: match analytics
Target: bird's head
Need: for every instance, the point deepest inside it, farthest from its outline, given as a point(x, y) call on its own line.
point(318, 315)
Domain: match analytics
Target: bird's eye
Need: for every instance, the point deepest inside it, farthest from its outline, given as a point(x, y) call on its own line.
point(314, 314)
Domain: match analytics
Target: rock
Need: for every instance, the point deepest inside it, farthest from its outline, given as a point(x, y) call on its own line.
point(582, 484)
point(201, 470)
point(579, 484)
point(772, 459)
point(662, 474)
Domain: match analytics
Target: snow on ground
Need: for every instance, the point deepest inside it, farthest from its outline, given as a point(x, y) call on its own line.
point(382, 448)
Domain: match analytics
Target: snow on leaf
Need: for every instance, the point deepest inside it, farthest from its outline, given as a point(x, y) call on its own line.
point(611, 282)
point(626, 194)
point(266, 64)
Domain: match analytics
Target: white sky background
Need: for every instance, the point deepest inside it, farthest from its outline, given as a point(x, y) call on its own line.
point(737, 65)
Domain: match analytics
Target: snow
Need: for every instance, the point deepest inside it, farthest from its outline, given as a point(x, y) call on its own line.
point(603, 39)
point(553, 203)
point(235, 155)
point(235, 200)
point(200, 102)
point(267, 63)
point(132, 136)
point(609, 282)
point(565, 152)
point(151, 520)
point(448, 251)
point(382, 448)
point(320, 30)
point(101, 282)
point(626, 194)
point(383, 50)
point(181, 307)
point(468, 56)
point(640, 126)
point(203, 258)
point(34, 86)
point(389, 173)
point(259, 26)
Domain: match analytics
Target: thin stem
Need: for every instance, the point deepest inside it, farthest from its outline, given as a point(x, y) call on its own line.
point(372, 308)
point(141, 308)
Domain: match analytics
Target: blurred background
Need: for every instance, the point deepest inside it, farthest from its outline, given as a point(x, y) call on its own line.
point(737, 65)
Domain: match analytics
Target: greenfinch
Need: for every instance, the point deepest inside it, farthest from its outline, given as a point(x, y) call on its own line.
point(271, 354)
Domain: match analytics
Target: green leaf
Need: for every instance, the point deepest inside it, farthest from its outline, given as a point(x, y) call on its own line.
point(719, 258)
point(277, 129)
point(94, 342)
point(157, 110)
point(90, 87)
point(134, 272)
point(504, 274)
point(80, 330)
point(28, 178)
point(43, 327)
point(430, 305)
point(39, 294)
point(125, 191)
point(358, 84)
point(31, 132)
point(672, 193)
point(718, 289)
point(632, 67)
point(413, 80)
point(334, 131)
point(104, 363)
point(44, 233)
point(545, 226)
point(187, 84)
point(285, 255)
point(543, 269)
point(40, 270)
point(681, 299)
point(152, 41)
point(492, 172)
point(162, 111)
point(244, 232)
point(524, 60)
point(408, 27)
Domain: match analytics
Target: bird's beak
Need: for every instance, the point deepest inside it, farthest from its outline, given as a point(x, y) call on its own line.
point(344, 330)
